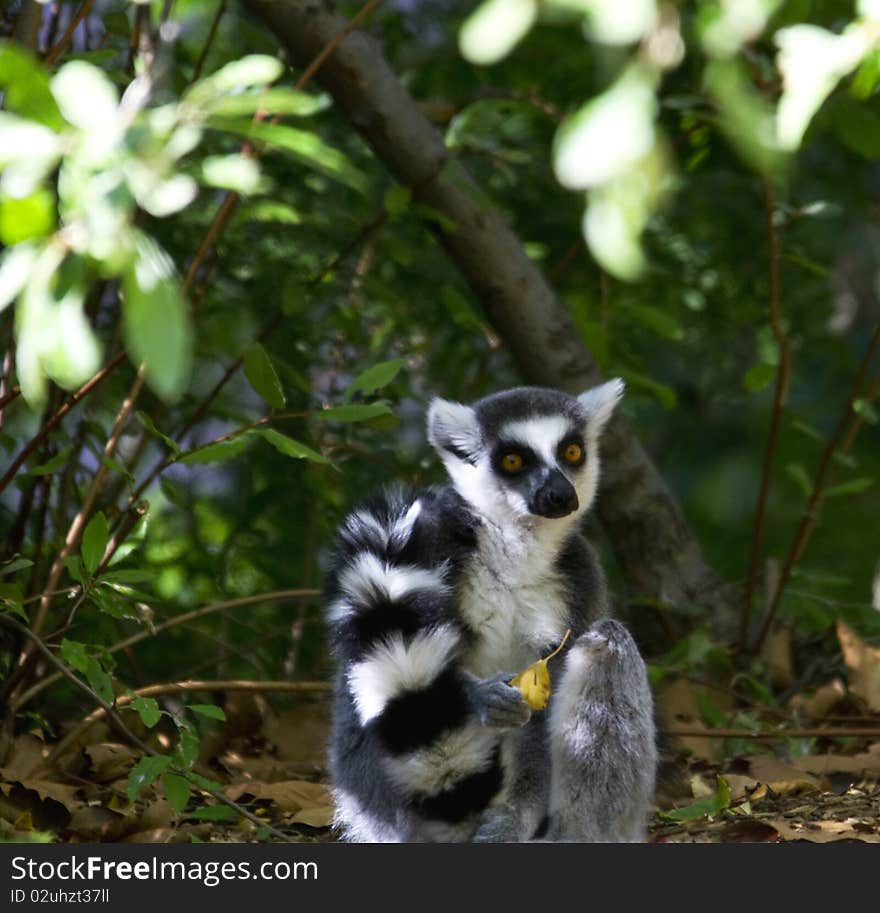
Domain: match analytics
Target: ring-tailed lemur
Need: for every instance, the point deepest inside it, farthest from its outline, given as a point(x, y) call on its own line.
point(437, 598)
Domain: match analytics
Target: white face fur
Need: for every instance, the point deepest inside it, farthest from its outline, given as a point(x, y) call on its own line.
point(474, 451)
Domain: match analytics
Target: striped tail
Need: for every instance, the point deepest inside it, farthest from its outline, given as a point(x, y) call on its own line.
point(398, 640)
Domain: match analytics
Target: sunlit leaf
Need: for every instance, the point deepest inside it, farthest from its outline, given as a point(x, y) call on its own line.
point(253, 70)
point(609, 134)
point(156, 321)
point(29, 217)
point(85, 95)
point(271, 101)
point(15, 268)
point(231, 172)
point(812, 61)
point(26, 86)
point(618, 21)
point(492, 31)
point(759, 377)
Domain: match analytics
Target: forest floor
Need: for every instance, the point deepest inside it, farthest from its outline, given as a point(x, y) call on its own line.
point(271, 763)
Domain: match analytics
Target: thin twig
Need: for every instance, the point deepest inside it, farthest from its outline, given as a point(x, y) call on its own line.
point(48, 426)
point(71, 540)
point(182, 688)
point(56, 52)
point(212, 31)
point(829, 732)
point(783, 375)
point(183, 618)
point(811, 511)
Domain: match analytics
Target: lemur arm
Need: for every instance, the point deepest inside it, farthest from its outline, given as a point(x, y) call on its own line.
point(397, 635)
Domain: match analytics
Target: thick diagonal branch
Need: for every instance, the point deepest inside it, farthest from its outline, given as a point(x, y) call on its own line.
point(653, 543)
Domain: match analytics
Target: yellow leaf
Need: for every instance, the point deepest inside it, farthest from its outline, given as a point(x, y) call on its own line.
point(534, 682)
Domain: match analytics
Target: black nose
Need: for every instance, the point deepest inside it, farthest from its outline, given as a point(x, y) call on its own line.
point(555, 498)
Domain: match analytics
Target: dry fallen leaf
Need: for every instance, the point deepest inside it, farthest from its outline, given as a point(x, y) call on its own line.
point(677, 702)
point(302, 802)
point(534, 682)
point(863, 663)
point(782, 778)
point(777, 655)
point(821, 702)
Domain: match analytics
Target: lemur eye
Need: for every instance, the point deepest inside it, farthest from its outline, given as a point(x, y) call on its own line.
point(573, 453)
point(511, 462)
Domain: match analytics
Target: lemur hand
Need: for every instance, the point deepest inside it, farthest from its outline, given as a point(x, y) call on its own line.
point(498, 704)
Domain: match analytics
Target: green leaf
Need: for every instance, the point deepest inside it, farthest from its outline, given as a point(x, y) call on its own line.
point(148, 423)
point(100, 681)
point(156, 321)
point(307, 148)
point(26, 86)
point(397, 200)
point(17, 565)
point(75, 655)
point(147, 708)
point(16, 264)
point(213, 813)
point(12, 600)
point(289, 447)
point(374, 378)
point(116, 466)
point(261, 375)
point(145, 772)
point(188, 749)
point(854, 487)
point(209, 710)
point(867, 76)
point(663, 393)
point(800, 476)
point(277, 100)
point(75, 568)
point(231, 172)
point(216, 453)
point(253, 70)
point(492, 31)
point(758, 377)
point(176, 791)
point(94, 541)
point(51, 465)
point(86, 97)
point(204, 782)
point(354, 413)
point(29, 217)
point(128, 575)
point(865, 408)
point(856, 126)
point(702, 808)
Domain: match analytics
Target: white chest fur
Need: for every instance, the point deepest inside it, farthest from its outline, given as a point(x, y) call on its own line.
point(513, 598)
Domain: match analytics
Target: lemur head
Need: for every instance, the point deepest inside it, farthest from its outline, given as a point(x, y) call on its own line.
point(524, 453)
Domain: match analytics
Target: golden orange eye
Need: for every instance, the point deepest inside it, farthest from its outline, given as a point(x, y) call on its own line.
point(511, 462)
point(573, 453)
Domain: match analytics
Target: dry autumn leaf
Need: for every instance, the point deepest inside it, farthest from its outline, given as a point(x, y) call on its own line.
point(863, 663)
point(534, 682)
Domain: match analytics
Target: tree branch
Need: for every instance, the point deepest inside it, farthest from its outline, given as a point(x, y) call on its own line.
point(657, 550)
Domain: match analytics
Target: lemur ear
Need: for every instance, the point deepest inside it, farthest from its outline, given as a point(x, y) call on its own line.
point(453, 428)
point(599, 402)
